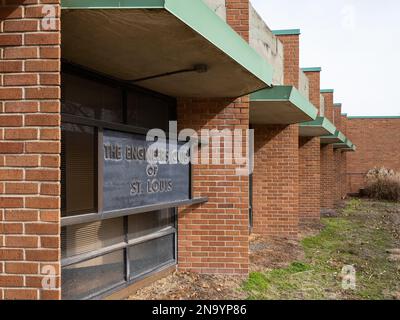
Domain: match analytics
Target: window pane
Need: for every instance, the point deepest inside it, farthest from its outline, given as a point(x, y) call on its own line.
point(147, 256)
point(90, 277)
point(78, 170)
point(87, 237)
point(149, 222)
point(92, 99)
point(148, 111)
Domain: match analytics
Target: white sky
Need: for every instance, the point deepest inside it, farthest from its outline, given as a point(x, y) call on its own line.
point(356, 42)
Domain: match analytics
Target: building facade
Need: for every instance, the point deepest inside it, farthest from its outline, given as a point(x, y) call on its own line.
point(378, 145)
point(83, 213)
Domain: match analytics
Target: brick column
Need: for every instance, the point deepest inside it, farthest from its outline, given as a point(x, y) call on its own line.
point(276, 181)
point(237, 16)
point(337, 185)
point(291, 46)
point(337, 116)
point(310, 163)
point(327, 177)
point(328, 96)
point(309, 180)
point(343, 175)
point(214, 237)
point(345, 182)
point(314, 78)
point(276, 172)
point(29, 151)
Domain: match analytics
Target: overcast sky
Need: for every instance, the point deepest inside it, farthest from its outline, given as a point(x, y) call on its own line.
point(356, 42)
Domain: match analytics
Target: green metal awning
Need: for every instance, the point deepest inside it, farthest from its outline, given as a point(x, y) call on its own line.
point(317, 128)
point(337, 137)
point(280, 105)
point(198, 54)
point(345, 146)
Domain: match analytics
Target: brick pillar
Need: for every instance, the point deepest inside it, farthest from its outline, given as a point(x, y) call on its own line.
point(328, 96)
point(337, 186)
point(276, 181)
point(29, 151)
point(328, 171)
point(337, 116)
point(345, 180)
point(276, 172)
point(291, 56)
point(314, 78)
point(214, 237)
point(237, 16)
point(343, 175)
point(327, 176)
point(344, 124)
point(310, 163)
point(337, 119)
point(309, 180)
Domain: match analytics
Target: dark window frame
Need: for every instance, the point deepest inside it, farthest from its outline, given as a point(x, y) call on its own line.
point(99, 126)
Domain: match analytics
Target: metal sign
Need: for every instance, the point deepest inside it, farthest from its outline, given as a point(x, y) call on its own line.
point(131, 181)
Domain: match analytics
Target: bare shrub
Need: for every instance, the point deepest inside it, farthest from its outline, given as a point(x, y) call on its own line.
point(383, 184)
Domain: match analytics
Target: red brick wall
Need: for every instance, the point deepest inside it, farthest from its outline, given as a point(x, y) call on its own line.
point(328, 106)
point(337, 184)
point(344, 124)
point(378, 144)
point(338, 156)
point(327, 177)
point(276, 172)
point(237, 16)
point(310, 163)
point(337, 116)
point(343, 175)
point(328, 163)
point(291, 56)
point(314, 78)
point(276, 181)
point(214, 237)
point(310, 177)
point(345, 180)
point(29, 151)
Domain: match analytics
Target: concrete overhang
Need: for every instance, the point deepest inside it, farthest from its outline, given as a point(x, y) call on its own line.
point(317, 128)
point(337, 137)
point(195, 51)
point(280, 105)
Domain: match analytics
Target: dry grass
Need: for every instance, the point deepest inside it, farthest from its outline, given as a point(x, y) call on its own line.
point(364, 234)
point(383, 184)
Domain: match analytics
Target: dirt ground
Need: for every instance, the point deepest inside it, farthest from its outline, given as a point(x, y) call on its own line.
point(264, 254)
point(308, 268)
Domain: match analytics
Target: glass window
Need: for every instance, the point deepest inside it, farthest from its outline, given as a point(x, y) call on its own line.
point(146, 223)
point(148, 111)
point(147, 256)
point(89, 96)
point(78, 170)
point(91, 99)
point(87, 278)
point(87, 237)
